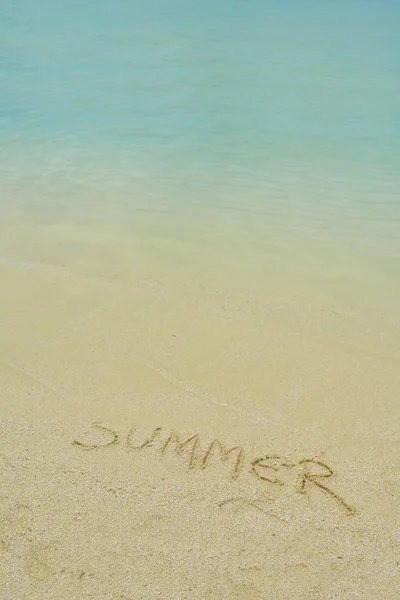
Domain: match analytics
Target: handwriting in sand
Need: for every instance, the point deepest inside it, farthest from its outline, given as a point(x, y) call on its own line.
point(268, 468)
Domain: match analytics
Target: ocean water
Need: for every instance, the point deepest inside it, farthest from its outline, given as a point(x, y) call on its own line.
point(272, 109)
point(249, 147)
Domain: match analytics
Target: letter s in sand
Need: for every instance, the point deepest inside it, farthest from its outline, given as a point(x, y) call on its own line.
point(110, 442)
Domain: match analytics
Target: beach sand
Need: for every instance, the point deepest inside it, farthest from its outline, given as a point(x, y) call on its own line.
point(174, 431)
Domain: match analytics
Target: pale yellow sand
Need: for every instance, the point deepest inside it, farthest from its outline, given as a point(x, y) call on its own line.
point(303, 381)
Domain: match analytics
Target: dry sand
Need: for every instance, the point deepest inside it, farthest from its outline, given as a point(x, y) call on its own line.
point(106, 354)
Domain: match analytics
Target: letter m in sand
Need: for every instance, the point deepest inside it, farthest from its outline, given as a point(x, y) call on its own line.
point(180, 447)
point(224, 455)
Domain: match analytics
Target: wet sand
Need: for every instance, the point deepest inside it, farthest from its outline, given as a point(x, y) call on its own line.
point(189, 428)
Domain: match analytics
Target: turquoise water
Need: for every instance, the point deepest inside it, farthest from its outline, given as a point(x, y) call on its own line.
point(265, 112)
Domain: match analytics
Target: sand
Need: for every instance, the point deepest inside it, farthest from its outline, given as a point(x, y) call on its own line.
point(183, 432)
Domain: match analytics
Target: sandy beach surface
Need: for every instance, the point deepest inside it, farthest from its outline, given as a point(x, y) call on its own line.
point(166, 435)
point(199, 300)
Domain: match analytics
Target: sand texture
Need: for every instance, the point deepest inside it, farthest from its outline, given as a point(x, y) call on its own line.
point(166, 436)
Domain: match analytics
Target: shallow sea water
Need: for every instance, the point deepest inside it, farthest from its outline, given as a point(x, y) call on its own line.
point(247, 132)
